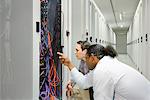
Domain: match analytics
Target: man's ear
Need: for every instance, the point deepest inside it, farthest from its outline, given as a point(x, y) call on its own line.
point(95, 59)
point(91, 58)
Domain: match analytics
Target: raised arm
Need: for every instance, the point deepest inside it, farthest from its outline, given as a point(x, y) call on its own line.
point(65, 60)
point(84, 81)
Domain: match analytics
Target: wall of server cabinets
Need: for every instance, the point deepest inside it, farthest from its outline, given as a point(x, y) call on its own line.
point(19, 50)
point(82, 20)
point(138, 38)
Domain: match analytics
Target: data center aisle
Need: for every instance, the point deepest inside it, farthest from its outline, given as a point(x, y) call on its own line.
point(126, 59)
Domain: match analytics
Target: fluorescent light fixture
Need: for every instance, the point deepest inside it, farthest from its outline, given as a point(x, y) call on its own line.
point(120, 16)
point(121, 26)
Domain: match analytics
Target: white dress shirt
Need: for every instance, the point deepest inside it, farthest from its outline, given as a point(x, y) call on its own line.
point(113, 80)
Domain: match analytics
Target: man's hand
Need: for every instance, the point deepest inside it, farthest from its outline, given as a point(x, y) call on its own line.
point(69, 88)
point(65, 60)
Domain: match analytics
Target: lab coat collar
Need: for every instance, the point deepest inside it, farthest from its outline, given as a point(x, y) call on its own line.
point(105, 59)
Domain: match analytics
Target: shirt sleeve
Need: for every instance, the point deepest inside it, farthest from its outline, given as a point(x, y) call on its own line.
point(84, 81)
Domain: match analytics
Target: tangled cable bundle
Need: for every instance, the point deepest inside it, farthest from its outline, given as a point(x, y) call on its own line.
point(50, 80)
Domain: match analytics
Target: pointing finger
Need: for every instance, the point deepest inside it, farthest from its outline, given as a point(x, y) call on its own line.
point(61, 54)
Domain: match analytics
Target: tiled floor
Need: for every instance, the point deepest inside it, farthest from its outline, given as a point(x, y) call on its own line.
point(84, 94)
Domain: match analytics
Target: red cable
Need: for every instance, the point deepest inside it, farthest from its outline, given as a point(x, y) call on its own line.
point(52, 78)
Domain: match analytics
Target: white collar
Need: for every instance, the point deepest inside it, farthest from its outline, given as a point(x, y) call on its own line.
point(106, 58)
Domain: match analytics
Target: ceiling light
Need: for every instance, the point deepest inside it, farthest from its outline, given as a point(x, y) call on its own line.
point(120, 16)
point(121, 26)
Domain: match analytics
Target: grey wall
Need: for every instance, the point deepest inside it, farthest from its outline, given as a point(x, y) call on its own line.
point(121, 40)
point(16, 50)
point(76, 27)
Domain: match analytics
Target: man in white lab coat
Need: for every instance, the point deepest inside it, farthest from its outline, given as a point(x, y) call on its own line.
point(111, 79)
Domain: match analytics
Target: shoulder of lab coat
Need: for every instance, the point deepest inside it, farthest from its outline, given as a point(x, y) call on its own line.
point(105, 78)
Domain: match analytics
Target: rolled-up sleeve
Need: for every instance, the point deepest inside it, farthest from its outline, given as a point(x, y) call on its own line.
point(84, 81)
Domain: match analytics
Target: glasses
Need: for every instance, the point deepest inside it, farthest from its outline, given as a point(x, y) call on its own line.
point(88, 56)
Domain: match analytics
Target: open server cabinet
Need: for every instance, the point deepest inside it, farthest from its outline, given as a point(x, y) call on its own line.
point(50, 66)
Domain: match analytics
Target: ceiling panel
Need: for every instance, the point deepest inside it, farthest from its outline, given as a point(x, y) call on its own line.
point(123, 12)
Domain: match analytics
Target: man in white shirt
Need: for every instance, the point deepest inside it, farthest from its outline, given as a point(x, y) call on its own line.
point(111, 79)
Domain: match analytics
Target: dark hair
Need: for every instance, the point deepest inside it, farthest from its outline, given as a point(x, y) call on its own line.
point(84, 44)
point(100, 51)
point(110, 51)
